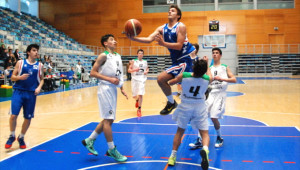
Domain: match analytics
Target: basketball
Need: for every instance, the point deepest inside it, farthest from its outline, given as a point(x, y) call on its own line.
point(133, 27)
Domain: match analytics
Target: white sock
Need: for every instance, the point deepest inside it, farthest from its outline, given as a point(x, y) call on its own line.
point(21, 135)
point(174, 153)
point(219, 132)
point(12, 133)
point(199, 136)
point(111, 145)
point(94, 135)
point(205, 148)
point(170, 98)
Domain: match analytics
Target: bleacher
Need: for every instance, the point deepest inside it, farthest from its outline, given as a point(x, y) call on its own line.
point(20, 30)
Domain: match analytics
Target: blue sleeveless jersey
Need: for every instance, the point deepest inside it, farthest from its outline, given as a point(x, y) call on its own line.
point(32, 82)
point(170, 35)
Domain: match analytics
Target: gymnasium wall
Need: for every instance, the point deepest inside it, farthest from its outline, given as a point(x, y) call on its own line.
point(87, 21)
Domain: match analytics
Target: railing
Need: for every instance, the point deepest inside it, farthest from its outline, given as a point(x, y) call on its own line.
point(268, 48)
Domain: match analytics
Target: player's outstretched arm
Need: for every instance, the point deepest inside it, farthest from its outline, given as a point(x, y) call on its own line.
point(94, 72)
point(148, 39)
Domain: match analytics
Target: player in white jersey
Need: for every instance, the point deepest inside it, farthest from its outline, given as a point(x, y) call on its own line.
point(192, 108)
point(216, 100)
point(139, 70)
point(222, 75)
point(109, 70)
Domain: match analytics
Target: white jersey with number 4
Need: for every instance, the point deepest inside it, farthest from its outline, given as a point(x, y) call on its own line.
point(193, 89)
point(139, 75)
point(221, 71)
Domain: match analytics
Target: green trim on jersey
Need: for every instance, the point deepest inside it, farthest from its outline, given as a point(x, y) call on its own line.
point(186, 74)
point(106, 52)
point(139, 60)
point(205, 77)
point(221, 65)
point(189, 74)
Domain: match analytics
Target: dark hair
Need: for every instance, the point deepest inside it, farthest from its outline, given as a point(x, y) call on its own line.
point(140, 50)
point(220, 51)
point(199, 67)
point(196, 45)
point(178, 10)
point(105, 38)
point(30, 47)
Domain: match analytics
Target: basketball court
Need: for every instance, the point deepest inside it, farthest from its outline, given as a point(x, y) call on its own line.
point(260, 129)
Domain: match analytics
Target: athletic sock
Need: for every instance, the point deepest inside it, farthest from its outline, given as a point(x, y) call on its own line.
point(111, 145)
point(94, 135)
point(170, 98)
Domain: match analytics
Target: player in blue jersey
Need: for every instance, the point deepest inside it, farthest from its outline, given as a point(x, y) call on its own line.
point(29, 81)
point(173, 36)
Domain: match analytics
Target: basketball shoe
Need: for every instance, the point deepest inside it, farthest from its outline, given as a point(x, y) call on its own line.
point(219, 142)
point(89, 144)
point(169, 107)
point(205, 160)
point(22, 143)
point(197, 144)
point(114, 153)
point(139, 113)
point(10, 141)
point(172, 160)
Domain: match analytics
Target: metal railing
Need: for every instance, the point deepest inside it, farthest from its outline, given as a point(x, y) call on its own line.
point(268, 48)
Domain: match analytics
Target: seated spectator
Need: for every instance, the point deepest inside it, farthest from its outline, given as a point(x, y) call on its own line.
point(1, 77)
point(50, 79)
point(17, 55)
point(2, 43)
point(74, 76)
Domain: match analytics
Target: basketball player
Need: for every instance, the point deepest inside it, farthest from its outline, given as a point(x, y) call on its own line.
point(139, 70)
point(192, 108)
point(173, 36)
point(193, 54)
point(109, 70)
point(28, 75)
point(222, 75)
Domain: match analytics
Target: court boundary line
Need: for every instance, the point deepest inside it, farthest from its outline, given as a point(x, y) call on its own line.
point(130, 162)
point(224, 115)
point(209, 125)
point(17, 153)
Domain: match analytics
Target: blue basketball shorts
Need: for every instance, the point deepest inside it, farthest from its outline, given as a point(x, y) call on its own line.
point(179, 68)
point(25, 99)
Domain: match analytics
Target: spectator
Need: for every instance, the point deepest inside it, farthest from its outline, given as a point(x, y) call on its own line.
point(2, 43)
point(12, 57)
point(7, 74)
point(50, 77)
point(17, 55)
point(74, 76)
point(78, 70)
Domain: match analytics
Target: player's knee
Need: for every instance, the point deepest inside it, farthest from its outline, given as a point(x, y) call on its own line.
point(13, 117)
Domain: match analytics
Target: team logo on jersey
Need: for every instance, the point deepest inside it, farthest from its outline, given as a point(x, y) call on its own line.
point(118, 63)
point(215, 73)
point(111, 112)
point(35, 67)
point(25, 65)
point(173, 30)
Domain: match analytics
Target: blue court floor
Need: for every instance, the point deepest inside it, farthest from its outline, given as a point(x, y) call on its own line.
point(147, 142)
